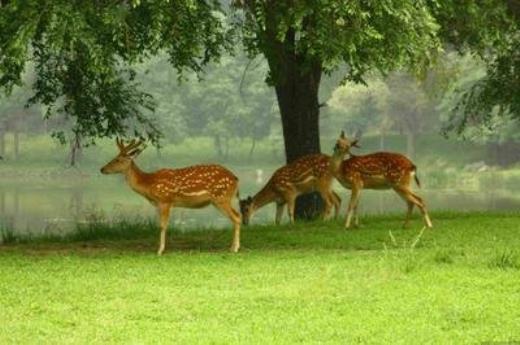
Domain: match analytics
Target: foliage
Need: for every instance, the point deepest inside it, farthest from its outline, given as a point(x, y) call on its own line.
point(81, 51)
point(490, 29)
point(364, 35)
point(85, 53)
point(231, 101)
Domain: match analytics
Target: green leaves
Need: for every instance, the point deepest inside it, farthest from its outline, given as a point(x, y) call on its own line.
point(381, 35)
point(83, 52)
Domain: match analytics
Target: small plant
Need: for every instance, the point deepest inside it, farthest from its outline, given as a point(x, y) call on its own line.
point(443, 257)
point(7, 235)
point(409, 260)
point(507, 259)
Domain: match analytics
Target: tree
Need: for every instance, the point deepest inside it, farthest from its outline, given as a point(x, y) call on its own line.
point(301, 40)
point(490, 30)
point(82, 51)
point(498, 130)
point(82, 48)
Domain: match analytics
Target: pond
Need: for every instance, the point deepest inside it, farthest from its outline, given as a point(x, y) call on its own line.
point(55, 206)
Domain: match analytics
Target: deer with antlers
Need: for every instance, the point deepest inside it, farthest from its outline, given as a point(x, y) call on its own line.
point(190, 187)
point(380, 170)
point(306, 174)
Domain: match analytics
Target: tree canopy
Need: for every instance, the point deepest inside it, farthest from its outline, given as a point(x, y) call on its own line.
point(84, 52)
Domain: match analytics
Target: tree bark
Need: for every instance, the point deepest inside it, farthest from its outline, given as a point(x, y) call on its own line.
point(2, 142)
point(252, 149)
point(297, 80)
point(16, 140)
point(410, 144)
point(75, 151)
point(218, 145)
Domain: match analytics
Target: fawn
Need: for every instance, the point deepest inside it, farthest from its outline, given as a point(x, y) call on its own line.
point(380, 170)
point(191, 187)
point(307, 174)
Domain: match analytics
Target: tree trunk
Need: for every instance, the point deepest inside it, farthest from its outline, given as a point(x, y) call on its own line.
point(297, 82)
point(410, 144)
point(2, 203)
point(218, 146)
point(252, 149)
point(75, 151)
point(16, 141)
point(2, 142)
point(226, 145)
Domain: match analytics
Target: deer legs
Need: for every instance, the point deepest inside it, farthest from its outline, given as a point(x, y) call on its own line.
point(164, 214)
point(291, 201)
point(412, 200)
point(279, 213)
point(409, 211)
point(336, 201)
point(352, 207)
point(234, 216)
point(327, 197)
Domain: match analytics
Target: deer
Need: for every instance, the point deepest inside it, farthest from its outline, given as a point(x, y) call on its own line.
point(305, 175)
point(380, 170)
point(194, 186)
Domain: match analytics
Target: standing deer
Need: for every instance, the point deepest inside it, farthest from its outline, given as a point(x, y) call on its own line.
point(306, 174)
point(191, 187)
point(380, 170)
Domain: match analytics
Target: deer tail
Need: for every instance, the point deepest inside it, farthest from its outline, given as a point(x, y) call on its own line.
point(415, 176)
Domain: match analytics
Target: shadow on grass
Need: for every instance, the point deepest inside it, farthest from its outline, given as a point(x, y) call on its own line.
point(143, 236)
point(377, 233)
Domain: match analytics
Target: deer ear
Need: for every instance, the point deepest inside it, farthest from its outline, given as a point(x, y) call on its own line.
point(355, 144)
point(342, 135)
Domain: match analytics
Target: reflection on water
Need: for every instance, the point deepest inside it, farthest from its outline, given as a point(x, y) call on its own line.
point(51, 207)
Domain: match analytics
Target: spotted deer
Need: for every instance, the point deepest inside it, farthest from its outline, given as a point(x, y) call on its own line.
point(304, 175)
point(380, 170)
point(195, 186)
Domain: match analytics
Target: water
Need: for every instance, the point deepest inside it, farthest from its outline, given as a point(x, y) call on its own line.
point(55, 206)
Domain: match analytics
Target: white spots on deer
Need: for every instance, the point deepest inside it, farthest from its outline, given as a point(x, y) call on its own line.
point(198, 193)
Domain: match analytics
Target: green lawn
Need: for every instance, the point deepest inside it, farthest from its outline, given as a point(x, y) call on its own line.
point(309, 283)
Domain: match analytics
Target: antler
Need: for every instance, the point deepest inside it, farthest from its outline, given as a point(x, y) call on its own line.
point(133, 144)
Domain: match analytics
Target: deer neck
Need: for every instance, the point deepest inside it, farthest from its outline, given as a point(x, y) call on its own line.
point(136, 179)
point(263, 197)
point(335, 162)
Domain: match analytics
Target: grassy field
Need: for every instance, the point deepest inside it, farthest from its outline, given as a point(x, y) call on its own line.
point(308, 283)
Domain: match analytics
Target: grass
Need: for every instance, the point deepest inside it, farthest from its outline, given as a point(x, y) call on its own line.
point(308, 283)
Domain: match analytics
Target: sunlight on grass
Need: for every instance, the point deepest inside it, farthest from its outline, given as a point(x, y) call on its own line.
point(303, 283)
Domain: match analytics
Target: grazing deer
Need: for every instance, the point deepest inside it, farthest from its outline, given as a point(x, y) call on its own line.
point(191, 187)
point(306, 174)
point(380, 170)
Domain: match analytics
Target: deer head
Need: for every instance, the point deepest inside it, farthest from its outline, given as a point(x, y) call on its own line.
point(343, 145)
point(246, 209)
point(122, 162)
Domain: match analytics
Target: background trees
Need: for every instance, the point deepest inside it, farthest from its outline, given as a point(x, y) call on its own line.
point(85, 55)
